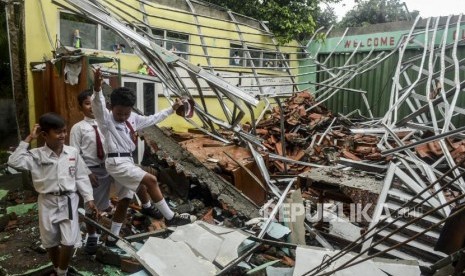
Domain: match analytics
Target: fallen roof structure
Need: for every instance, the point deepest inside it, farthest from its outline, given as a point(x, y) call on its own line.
point(413, 184)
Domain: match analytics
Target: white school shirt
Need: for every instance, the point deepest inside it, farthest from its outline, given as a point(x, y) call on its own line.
point(52, 173)
point(117, 135)
point(82, 137)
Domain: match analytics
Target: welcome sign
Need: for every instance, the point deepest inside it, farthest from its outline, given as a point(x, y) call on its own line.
point(384, 41)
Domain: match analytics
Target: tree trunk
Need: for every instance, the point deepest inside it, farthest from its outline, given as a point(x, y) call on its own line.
point(15, 21)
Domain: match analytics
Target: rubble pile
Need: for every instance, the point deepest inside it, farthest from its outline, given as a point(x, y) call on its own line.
point(306, 137)
point(299, 128)
point(432, 151)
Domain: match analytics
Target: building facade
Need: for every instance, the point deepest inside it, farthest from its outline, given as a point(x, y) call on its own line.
point(235, 47)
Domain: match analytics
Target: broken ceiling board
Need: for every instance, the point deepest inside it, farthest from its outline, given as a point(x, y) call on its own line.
point(398, 267)
point(230, 247)
point(216, 244)
point(279, 271)
point(343, 228)
point(277, 230)
point(166, 147)
point(308, 258)
point(367, 267)
point(215, 228)
point(219, 230)
point(261, 267)
point(167, 257)
point(199, 239)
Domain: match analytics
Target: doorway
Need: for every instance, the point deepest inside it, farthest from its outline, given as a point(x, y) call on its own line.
point(146, 102)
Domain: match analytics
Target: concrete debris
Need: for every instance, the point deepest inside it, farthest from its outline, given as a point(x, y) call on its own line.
point(164, 149)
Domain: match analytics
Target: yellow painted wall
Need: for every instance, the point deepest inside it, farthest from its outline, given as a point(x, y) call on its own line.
point(38, 45)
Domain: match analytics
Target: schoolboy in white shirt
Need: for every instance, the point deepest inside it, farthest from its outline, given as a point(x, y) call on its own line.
point(117, 127)
point(88, 139)
point(58, 171)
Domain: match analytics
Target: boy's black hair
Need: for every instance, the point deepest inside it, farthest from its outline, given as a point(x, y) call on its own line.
point(83, 96)
point(50, 121)
point(123, 96)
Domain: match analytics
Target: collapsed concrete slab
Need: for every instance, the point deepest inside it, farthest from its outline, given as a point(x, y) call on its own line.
point(185, 163)
point(346, 187)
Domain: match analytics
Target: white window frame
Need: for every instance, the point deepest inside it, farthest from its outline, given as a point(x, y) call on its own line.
point(165, 40)
point(260, 62)
point(98, 35)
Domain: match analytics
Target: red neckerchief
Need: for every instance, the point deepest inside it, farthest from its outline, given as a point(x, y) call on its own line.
point(132, 133)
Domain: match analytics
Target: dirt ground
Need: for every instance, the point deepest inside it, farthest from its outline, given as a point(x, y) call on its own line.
point(20, 250)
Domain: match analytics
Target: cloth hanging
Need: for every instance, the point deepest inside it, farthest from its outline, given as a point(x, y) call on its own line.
point(100, 153)
point(72, 71)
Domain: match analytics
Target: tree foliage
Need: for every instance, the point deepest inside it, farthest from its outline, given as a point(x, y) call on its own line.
point(326, 17)
point(367, 12)
point(287, 19)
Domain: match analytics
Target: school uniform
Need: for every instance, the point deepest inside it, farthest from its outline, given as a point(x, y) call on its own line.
point(118, 141)
point(83, 137)
point(56, 179)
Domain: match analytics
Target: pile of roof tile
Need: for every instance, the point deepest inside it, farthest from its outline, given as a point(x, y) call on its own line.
point(306, 139)
point(433, 151)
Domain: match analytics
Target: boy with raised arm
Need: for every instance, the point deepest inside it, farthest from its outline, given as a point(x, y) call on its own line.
point(118, 126)
point(88, 139)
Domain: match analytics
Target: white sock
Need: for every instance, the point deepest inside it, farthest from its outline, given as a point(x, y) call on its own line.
point(162, 206)
point(115, 228)
point(61, 272)
point(147, 205)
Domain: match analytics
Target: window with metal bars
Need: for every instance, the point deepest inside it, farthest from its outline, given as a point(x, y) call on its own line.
point(175, 42)
point(259, 57)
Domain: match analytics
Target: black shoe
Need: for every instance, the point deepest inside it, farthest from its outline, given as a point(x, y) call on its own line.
point(109, 243)
point(91, 245)
point(152, 211)
point(180, 219)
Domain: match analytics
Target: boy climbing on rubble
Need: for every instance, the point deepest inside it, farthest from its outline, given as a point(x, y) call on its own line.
point(58, 171)
point(88, 139)
point(118, 128)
